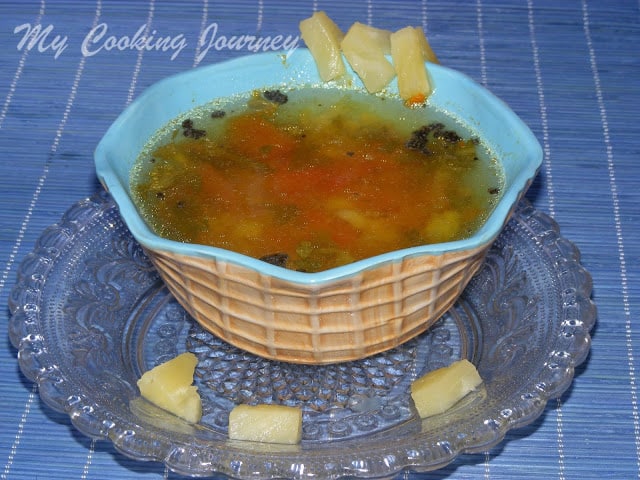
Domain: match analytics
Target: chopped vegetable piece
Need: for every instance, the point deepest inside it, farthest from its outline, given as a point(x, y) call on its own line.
point(440, 389)
point(266, 423)
point(323, 38)
point(168, 386)
point(414, 83)
point(427, 52)
point(365, 47)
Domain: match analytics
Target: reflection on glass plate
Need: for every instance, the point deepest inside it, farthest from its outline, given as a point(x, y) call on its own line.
point(90, 314)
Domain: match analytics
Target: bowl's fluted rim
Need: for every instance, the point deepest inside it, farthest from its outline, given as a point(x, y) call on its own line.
point(299, 67)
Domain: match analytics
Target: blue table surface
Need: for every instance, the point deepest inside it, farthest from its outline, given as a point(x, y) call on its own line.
point(570, 69)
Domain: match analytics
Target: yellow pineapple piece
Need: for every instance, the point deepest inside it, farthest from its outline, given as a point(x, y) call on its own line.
point(443, 227)
point(414, 82)
point(365, 47)
point(376, 38)
point(266, 423)
point(425, 47)
point(323, 38)
point(168, 386)
point(440, 389)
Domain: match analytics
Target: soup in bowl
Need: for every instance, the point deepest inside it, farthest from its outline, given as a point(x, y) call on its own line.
point(312, 222)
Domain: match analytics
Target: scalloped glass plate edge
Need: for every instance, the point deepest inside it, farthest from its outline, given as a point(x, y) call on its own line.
point(575, 320)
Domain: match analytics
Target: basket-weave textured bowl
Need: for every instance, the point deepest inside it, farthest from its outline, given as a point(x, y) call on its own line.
point(341, 314)
point(350, 318)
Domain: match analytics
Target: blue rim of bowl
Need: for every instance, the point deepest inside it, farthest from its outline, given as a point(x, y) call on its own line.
point(296, 65)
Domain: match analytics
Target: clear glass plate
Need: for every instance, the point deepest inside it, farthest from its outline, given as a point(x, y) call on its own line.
point(90, 314)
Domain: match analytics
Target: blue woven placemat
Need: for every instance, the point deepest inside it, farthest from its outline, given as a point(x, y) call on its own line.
point(570, 69)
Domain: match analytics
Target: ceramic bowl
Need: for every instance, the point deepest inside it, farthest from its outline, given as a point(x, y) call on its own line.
point(336, 315)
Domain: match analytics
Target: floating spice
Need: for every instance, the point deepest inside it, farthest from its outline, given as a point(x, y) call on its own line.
point(277, 259)
point(191, 132)
point(276, 96)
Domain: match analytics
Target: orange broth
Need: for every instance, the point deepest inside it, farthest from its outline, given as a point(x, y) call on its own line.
point(314, 179)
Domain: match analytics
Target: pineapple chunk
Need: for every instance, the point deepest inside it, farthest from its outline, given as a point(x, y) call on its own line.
point(372, 37)
point(168, 386)
point(323, 38)
point(427, 52)
point(266, 423)
point(439, 390)
point(414, 83)
point(364, 48)
point(443, 227)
